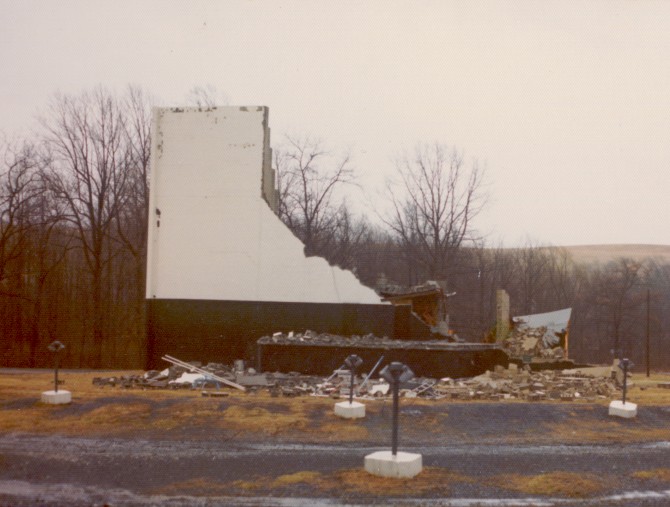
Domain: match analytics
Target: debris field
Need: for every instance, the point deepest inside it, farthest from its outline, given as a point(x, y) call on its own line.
point(512, 383)
point(535, 342)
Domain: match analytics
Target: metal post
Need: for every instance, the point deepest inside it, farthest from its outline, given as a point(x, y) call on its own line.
point(56, 373)
point(395, 373)
point(352, 362)
point(394, 437)
point(56, 347)
point(625, 364)
point(648, 351)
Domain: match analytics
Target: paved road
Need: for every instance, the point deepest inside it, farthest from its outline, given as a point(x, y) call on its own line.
point(56, 470)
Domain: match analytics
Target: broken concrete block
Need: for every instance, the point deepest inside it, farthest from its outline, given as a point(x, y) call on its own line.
point(619, 409)
point(57, 397)
point(215, 394)
point(252, 380)
point(385, 464)
point(188, 378)
point(353, 410)
point(160, 384)
point(379, 389)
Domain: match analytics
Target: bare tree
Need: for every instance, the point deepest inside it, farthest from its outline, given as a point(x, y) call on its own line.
point(28, 254)
point(308, 177)
point(433, 204)
point(206, 97)
point(619, 299)
point(19, 186)
point(17, 192)
point(533, 264)
point(349, 240)
point(50, 244)
point(88, 173)
point(657, 313)
point(563, 277)
point(131, 221)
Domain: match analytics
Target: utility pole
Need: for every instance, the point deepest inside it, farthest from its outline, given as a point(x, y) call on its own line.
point(648, 339)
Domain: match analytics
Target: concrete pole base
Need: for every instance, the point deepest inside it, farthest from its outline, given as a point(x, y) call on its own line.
point(618, 409)
point(56, 398)
point(384, 464)
point(353, 410)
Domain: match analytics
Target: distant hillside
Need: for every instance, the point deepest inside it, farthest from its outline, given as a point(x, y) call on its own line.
point(589, 254)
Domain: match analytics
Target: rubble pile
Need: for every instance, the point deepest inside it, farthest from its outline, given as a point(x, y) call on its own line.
point(524, 341)
point(178, 377)
point(324, 339)
point(511, 383)
point(522, 384)
point(369, 340)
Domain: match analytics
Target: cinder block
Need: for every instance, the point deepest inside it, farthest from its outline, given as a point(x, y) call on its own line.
point(353, 410)
point(385, 464)
point(56, 398)
point(618, 409)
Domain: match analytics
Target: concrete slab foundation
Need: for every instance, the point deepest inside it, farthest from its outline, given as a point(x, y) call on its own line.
point(56, 398)
point(353, 410)
point(402, 465)
point(618, 409)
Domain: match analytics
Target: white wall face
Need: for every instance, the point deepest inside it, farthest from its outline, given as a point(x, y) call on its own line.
point(211, 234)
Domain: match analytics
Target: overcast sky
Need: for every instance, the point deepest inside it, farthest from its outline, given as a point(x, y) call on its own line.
point(567, 104)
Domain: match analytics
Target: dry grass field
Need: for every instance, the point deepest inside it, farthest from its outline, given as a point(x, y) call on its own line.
point(589, 254)
point(115, 411)
point(433, 481)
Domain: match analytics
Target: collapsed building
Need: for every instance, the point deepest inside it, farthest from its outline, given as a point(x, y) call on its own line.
point(540, 340)
point(223, 270)
point(428, 302)
point(541, 335)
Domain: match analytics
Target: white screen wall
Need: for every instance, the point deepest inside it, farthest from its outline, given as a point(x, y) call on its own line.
point(212, 236)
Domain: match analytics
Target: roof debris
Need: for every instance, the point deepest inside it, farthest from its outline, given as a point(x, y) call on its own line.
point(542, 335)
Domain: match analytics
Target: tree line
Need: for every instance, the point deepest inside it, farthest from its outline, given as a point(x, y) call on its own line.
point(73, 225)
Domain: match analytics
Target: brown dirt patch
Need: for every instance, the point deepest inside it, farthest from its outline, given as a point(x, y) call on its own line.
point(657, 474)
point(564, 484)
point(431, 481)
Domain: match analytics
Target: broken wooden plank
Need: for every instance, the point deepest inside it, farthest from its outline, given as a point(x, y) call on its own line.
point(204, 373)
